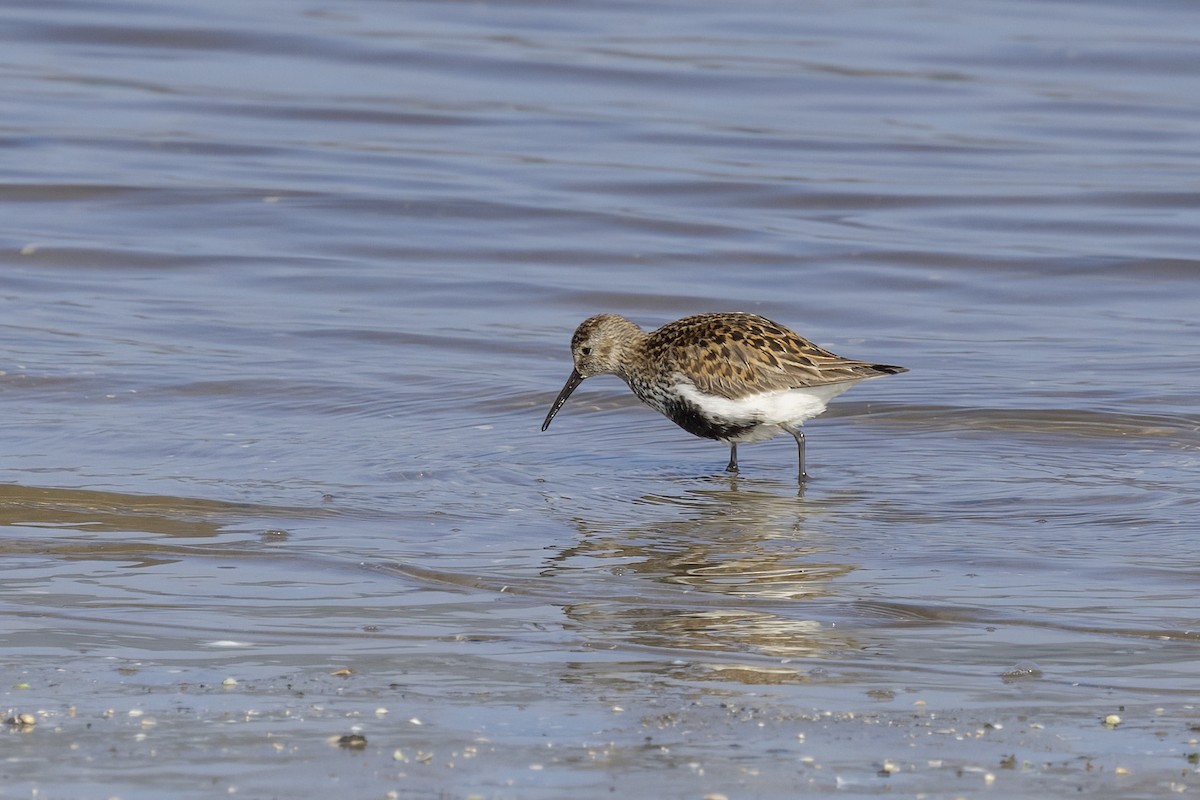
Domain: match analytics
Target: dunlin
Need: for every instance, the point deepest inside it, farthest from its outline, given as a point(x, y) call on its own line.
point(732, 377)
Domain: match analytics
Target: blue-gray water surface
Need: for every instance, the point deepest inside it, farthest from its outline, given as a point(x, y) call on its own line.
point(287, 288)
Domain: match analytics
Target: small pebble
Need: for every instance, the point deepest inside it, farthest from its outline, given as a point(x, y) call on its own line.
point(353, 741)
point(1022, 671)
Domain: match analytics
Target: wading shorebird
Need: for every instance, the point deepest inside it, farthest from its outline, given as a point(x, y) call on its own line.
point(732, 377)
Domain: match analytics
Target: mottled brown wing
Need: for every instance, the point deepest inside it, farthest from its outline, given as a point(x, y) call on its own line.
point(735, 355)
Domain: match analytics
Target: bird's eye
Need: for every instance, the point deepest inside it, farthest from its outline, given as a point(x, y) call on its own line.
point(585, 351)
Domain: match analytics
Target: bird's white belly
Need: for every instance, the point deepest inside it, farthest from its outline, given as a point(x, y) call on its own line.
point(763, 414)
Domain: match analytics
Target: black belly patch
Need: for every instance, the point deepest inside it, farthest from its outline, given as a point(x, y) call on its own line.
point(692, 420)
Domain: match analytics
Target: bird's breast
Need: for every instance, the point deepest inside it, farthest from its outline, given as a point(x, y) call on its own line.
point(750, 419)
point(755, 417)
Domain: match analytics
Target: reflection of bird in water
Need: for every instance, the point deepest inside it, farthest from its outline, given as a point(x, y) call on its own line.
point(733, 574)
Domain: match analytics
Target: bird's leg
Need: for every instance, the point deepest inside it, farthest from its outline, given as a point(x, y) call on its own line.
point(799, 435)
point(732, 458)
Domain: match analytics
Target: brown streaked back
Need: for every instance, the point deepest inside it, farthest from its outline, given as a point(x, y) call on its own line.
point(737, 354)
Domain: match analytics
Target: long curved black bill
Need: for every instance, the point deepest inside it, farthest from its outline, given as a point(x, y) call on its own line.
point(572, 382)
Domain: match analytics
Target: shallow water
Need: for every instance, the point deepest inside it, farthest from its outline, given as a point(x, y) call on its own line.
point(286, 290)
